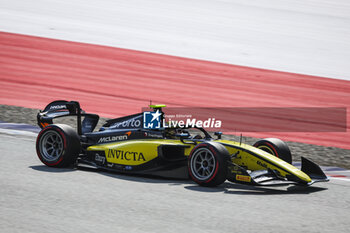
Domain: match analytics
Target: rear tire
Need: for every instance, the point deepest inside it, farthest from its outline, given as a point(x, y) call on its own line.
point(58, 145)
point(207, 164)
point(275, 147)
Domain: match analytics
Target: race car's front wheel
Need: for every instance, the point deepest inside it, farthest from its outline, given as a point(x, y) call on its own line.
point(275, 147)
point(58, 145)
point(207, 164)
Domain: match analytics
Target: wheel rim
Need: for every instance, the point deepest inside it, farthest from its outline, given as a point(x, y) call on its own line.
point(51, 146)
point(203, 164)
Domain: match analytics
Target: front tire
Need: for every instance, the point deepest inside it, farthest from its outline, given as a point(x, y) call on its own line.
point(276, 147)
point(207, 164)
point(58, 145)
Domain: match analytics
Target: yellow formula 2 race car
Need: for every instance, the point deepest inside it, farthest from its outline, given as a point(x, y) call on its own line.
point(142, 144)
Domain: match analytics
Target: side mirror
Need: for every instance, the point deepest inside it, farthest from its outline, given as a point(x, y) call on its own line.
point(218, 134)
point(182, 135)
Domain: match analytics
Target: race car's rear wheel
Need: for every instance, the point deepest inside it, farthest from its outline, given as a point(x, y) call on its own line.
point(207, 164)
point(275, 147)
point(58, 145)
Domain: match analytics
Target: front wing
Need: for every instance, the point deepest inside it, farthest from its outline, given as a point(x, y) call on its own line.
point(270, 177)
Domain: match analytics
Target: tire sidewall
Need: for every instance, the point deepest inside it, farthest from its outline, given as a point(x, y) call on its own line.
point(279, 147)
point(220, 170)
point(70, 145)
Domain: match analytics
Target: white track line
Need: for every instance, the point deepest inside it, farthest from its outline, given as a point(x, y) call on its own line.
point(18, 132)
point(339, 178)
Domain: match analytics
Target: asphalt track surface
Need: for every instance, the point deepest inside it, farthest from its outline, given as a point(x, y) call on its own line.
point(35, 198)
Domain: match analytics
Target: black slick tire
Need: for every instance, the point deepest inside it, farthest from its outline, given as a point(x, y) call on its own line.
point(207, 164)
point(275, 147)
point(58, 145)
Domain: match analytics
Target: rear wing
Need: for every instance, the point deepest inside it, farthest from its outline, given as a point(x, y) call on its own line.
point(63, 108)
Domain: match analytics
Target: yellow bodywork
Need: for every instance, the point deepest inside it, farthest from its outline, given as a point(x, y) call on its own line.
point(140, 151)
point(253, 163)
point(135, 152)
